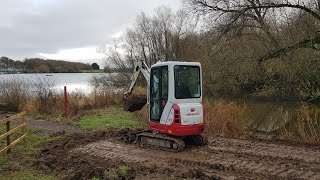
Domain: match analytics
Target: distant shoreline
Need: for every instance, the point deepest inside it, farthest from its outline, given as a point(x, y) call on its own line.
point(82, 71)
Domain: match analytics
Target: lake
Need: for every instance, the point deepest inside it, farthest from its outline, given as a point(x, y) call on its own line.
point(75, 82)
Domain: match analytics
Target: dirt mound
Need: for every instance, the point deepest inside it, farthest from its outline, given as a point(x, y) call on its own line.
point(134, 102)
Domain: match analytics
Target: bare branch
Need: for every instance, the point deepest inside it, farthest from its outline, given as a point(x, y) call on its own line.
point(308, 43)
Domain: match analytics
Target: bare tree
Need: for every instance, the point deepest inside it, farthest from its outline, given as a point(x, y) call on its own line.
point(233, 15)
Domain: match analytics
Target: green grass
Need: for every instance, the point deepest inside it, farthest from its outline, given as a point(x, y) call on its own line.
point(26, 176)
point(18, 165)
point(112, 117)
point(120, 172)
point(92, 71)
point(2, 128)
point(3, 161)
point(123, 170)
point(56, 117)
point(32, 142)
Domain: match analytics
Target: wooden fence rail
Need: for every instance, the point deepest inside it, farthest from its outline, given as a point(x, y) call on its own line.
point(9, 131)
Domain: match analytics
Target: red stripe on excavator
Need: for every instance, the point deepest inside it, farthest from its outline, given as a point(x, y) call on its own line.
point(176, 128)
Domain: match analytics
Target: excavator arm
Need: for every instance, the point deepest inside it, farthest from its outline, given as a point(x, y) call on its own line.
point(134, 103)
point(140, 67)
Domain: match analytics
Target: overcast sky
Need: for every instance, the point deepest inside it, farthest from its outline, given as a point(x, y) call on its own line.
point(67, 29)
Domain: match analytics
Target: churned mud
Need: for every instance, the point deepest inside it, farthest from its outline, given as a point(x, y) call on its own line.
point(83, 156)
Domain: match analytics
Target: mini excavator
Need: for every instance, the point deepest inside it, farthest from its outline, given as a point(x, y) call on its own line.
point(176, 112)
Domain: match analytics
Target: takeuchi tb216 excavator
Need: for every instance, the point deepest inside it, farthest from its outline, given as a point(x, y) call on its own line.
point(176, 112)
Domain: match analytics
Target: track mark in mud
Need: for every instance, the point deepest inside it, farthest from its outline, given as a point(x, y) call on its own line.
point(110, 150)
point(278, 160)
point(222, 158)
point(115, 151)
point(264, 149)
point(229, 157)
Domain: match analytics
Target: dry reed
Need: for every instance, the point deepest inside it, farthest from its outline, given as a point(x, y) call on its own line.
point(225, 118)
point(14, 93)
point(303, 125)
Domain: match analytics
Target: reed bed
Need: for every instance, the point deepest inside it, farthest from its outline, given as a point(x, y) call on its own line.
point(223, 118)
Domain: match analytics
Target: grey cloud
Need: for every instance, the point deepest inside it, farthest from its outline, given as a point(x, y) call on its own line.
point(27, 28)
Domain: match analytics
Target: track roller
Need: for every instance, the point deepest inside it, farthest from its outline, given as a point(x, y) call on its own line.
point(160, 141)
point(197, 140)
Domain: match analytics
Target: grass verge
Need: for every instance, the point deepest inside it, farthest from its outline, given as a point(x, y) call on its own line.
point(112, 117)
point(92, 71)
point(18, 165)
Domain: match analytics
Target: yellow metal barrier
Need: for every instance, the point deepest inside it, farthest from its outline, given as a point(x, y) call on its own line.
point(9, 131)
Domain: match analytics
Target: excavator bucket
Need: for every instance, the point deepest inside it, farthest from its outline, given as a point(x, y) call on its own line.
point(134, 103)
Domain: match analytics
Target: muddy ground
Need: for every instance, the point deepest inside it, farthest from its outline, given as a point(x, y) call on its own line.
point(100, 154)
point(84, 155)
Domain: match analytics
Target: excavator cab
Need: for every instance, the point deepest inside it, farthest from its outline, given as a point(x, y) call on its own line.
point(174, 96)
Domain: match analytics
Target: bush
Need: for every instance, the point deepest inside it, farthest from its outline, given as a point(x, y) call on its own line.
point(225, 118)
point(15, 92)
point(302, 125)
point(113, 80)
point(79, 102)
point(44, 96)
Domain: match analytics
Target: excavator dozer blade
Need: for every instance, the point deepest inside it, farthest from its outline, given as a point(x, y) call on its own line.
point(134, 103)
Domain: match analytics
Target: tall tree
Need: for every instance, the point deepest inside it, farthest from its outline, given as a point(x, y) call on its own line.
point(231, 12)
point(95, 66)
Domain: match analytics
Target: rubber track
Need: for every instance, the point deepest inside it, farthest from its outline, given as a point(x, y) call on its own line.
point(179, 142)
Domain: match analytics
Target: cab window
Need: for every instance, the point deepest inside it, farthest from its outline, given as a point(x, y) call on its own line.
point(187, 82)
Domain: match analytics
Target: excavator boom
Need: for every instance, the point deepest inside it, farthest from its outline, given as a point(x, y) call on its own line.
point(140, 67)
point(136, 102)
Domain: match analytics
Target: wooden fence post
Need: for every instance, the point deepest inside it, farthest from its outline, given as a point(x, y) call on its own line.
point(8, 137)
point(9, 131)
point(65, 102)
point(23, 120)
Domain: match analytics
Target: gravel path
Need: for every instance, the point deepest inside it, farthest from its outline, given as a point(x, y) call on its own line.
point(52, 128)
point(46, 127)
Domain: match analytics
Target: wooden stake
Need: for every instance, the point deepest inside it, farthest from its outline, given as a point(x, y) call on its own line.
point(23, 120)
point(65, 102)
point(8, 137)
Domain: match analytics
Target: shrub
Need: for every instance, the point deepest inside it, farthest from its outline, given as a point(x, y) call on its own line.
point(44, 96)
point(225, 118)
point(79, 102)
point(303, 125)
point(14, 92)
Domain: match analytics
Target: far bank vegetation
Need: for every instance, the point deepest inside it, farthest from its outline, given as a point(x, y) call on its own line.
point(38, 65)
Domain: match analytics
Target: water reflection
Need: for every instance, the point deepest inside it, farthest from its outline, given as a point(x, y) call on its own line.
point(75, 82)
